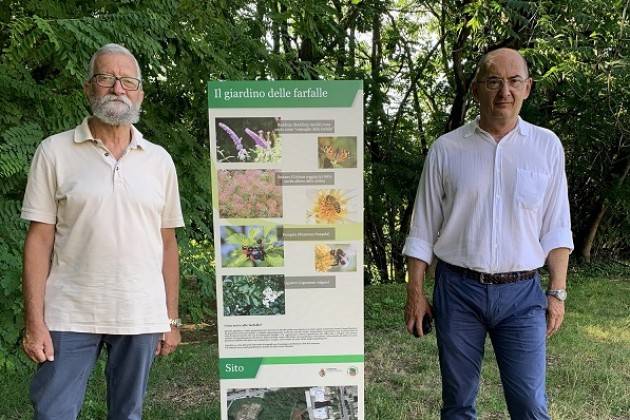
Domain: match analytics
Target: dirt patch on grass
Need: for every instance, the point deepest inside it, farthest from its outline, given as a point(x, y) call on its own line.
point(199, 333)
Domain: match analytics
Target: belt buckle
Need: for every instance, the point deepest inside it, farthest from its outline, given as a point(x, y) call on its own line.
point(482, 277)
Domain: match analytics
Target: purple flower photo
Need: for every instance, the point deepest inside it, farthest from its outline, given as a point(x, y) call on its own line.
point(248, 140)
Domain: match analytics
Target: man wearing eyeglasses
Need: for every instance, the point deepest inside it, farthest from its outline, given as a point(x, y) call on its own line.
point(492, 206)
point(100, 259)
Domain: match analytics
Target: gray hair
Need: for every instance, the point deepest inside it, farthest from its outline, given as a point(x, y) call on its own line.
point(111, 49)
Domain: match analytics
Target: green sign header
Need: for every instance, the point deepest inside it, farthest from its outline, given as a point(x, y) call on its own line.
point(247, 367)
point(283, 93)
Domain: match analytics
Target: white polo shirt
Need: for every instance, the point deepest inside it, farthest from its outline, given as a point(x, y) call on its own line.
point(106, 270)
point(492, 207)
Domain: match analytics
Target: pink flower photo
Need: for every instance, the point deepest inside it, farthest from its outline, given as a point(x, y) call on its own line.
point(249, 193)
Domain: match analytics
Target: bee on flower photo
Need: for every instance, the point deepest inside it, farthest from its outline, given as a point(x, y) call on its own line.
point(331, 206)
point(335, 258)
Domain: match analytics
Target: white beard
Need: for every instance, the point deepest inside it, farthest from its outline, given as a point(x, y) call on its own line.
point(115, 110)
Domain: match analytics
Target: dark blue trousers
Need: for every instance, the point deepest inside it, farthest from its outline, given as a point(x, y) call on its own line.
point(514, 315)
point(58, 387)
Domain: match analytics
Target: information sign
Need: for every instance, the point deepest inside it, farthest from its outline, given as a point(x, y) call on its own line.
point(287, 199)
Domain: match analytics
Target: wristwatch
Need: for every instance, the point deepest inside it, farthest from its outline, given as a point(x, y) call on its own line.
point(560, 294)
point(177, 322)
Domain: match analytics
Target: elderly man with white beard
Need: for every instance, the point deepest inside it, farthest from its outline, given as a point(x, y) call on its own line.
point(101, 264)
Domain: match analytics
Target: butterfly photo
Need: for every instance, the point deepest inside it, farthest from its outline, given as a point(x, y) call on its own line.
point(337, 152)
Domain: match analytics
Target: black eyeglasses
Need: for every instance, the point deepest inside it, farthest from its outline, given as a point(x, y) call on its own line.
point(109, 80)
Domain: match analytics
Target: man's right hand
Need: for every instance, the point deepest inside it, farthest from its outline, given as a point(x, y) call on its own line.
point(37, 344)
point(416, 307)
point(417, 304)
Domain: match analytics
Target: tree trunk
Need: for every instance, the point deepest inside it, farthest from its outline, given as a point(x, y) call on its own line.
point(284, 29)
point(374, 148)
point(458, 110)
point(418, 112)
point(275, 29)
point(352, 45)
point(377, 248)
point(586, 244)
point(340, 39)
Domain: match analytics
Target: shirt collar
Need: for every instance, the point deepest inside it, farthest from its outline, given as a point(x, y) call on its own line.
point(472, 127)
point(82, 133)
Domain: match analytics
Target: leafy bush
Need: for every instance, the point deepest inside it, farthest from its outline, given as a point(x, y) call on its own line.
point(253, 295)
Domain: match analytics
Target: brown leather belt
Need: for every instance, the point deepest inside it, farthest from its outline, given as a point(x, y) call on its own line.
point(488, 278)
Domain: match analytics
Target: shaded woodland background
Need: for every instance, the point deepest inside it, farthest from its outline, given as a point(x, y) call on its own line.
point(417, 60)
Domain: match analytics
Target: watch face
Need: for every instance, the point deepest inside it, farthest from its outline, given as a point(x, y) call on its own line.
point(560, 294)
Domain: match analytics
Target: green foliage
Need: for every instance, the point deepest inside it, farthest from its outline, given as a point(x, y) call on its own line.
point(583, 94)
point(417, 60)
point(196, 297)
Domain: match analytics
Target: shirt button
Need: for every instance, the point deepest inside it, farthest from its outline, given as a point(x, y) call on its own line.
point(106, 154)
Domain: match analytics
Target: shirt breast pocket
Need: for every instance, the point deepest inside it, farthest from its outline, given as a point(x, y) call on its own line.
point(530, 188)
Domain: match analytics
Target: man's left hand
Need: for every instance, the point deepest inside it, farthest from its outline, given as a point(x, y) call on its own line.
point(555, 315)
point(169, 342)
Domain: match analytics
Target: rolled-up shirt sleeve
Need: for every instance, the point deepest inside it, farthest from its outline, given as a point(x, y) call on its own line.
point(555, 230)
point(427, 214)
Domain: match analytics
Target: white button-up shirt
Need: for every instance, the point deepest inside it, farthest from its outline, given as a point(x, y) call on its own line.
point(492, 207)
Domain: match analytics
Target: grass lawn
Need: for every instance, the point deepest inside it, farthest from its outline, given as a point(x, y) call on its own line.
point(588, 365)
point(588, 360)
